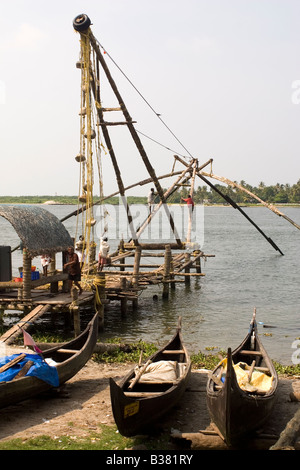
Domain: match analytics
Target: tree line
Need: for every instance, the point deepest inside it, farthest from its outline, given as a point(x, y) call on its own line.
point(276, 194)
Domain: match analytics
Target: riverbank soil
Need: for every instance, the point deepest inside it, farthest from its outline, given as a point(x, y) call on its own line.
point(84, 403)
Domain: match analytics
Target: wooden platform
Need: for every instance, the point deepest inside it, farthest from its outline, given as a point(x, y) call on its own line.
point(9, 300)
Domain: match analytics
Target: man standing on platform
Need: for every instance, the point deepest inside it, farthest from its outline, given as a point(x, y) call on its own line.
point(103, 253)
point(150, 200)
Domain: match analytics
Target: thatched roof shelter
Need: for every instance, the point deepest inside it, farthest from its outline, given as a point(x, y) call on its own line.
point(38, 229)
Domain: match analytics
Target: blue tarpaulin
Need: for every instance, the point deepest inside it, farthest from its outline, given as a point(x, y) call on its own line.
point(39, 369)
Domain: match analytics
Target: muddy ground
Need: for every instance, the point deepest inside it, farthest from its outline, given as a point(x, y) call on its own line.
point(84, 403)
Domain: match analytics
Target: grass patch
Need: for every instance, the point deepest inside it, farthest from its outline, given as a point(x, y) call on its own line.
point(129, 353)
point(107, 438)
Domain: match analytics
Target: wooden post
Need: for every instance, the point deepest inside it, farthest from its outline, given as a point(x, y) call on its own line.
point(136, 268)
point(187, 257)
point(123, 299)
point(74, 310)
point(167, 266)
point(173, 284)
point(190, 209)
point(92, 253)
point(26, 275)
point(198, 262)
point(100, 296)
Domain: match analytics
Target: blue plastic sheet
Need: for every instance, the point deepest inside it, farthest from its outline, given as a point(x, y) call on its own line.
point(39, 369)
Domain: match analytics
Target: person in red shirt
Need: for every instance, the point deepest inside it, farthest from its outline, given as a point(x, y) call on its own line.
point(189, 201)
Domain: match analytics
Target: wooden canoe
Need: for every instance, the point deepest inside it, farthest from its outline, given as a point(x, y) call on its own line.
point(138, 403)
point(69, 359)
point(236, 410)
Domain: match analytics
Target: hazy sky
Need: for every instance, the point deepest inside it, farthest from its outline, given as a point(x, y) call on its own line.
point(223, 74)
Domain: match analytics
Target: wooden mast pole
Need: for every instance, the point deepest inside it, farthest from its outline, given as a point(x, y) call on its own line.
point(96, 92)
point(134, 134)
point(157, 207)
point(188, 237)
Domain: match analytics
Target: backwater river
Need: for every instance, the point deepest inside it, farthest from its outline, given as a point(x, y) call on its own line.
point(246, 272)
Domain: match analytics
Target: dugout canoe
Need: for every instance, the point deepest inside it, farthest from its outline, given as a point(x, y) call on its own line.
point(66, 360)
point(148, 392)
point(241, 399)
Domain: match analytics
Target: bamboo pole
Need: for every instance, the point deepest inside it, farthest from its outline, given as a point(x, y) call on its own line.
point(136, 268)
point(100, 201)
point(26, 275)
point(133, 132)
point(166, 276)
point(158, 206)
point(100, 297)
point(187, 257)
point(111, 151)
point(188, 237)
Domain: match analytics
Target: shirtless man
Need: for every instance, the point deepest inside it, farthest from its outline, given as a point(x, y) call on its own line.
point(74, 270)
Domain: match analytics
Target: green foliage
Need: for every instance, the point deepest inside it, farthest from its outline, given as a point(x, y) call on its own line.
point(291, 370)
point(131, 353)
point(206, 361)
point(106, 438)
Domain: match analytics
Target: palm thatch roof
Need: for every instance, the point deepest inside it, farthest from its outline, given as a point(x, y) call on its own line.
point(39, 230)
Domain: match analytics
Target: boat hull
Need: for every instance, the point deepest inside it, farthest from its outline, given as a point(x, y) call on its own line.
point(136, 410)
point(235, 412)
point(68, 364)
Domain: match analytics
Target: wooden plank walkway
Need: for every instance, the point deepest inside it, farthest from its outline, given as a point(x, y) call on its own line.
point(9, 336)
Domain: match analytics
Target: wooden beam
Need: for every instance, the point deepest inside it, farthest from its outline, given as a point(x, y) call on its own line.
point(133, 133)
point(9, 336)
point(235, 206)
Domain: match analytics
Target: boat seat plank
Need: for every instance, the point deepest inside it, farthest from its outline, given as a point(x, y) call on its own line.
point(173, 351)
point(141, 394)
point(67, 351)
point(262, 369)
point(250, 352)
point(160, 382)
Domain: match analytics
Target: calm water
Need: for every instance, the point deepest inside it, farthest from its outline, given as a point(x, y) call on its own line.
point(246, 272)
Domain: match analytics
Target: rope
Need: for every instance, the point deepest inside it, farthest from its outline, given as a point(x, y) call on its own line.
point(98, 282)
point(143, 98)
point(90, 146)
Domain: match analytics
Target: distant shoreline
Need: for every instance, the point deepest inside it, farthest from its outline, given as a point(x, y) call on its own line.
point(73, 200)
